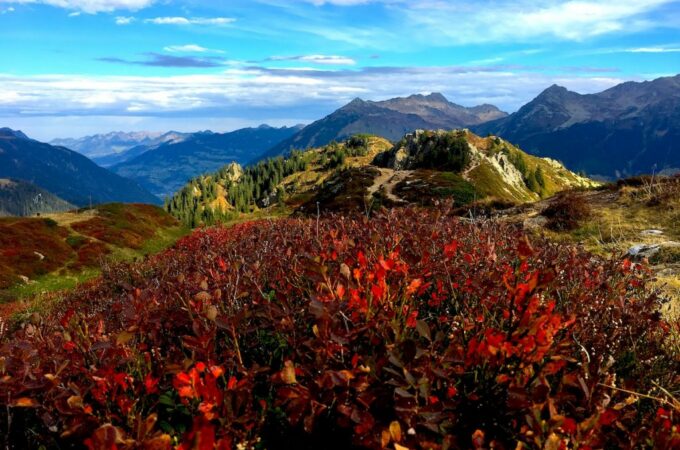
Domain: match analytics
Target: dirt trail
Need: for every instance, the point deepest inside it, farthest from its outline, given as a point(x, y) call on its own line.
point(388, 180)
point(66, 219)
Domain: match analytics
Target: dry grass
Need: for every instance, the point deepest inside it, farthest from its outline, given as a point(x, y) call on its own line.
point(619, 216)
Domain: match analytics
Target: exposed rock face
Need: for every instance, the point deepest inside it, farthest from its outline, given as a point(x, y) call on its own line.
point(500, 162)
point(234, 172)
point(491, 164)
point(644, 250)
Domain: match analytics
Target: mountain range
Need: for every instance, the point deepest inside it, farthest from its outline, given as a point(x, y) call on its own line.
point(626, 130)
point(629, 129)
point(164, 168)
point(64, 173)
point(390, 119)
point(118, 146)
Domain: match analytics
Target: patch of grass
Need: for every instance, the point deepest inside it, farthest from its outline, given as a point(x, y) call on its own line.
point(424, 187)
point(345, 191)
point(46, 284)
point(125, 225)
point(71, 258)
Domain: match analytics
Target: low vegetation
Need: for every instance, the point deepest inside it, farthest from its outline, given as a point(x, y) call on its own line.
point(566, 212)
point(41, 255)
point(411, 329)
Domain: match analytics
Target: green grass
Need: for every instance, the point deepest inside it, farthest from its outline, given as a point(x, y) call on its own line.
point(52, 282)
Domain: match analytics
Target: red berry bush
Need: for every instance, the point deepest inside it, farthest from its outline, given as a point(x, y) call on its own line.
point(410, 330)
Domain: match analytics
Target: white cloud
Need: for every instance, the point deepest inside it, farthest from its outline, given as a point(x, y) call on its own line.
point(189, 48)
point(179, 20)
point(653, 50)
point(318, 59)
point(525, 21)
point(91, 6)
point(446, 22)
point(122, 20)
point(253, 92)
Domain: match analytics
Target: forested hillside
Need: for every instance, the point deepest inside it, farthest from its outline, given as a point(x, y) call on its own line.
point(366, 172)
point(19, 198)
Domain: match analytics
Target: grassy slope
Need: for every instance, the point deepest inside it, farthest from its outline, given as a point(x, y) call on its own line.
point(489, 181)
point(619, 216)
point(74, 245)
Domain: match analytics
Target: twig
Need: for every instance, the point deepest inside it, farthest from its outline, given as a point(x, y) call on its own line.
point(651, 397)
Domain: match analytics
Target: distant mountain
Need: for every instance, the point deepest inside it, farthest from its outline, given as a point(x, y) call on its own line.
point(629, 129)
point(167, 167)
point(116, 147)
point(390, 119)
point(64, 173)
point(20, 198)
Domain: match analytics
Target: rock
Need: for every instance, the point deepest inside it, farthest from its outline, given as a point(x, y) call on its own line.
point(536, 222)
point(651, 232)
point(24, 279)
point(644, 250)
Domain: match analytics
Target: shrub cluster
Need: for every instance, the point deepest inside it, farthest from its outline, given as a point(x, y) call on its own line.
point(408, 330)
point(567, 212)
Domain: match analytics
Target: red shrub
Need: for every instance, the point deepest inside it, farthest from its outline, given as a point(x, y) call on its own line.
point(567, 212)
point(410, 329)
point(23, 240)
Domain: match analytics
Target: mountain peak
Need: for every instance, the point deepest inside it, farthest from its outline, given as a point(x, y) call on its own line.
point(436, 97)
point(8, 132)
point(356, 102)
point(555, 89)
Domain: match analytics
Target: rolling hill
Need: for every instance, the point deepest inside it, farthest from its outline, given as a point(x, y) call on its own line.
point(365, 172)
point(65, 173)
point(630, 129)
point(390, 119)
point(168, 166)
point(19, 198)
point(58, 250)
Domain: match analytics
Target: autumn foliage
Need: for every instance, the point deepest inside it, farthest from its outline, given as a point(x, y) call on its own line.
point(412, 329)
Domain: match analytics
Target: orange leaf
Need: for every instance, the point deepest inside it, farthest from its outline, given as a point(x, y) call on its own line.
point(288, 373)
point(25, 402)
point(395, 431)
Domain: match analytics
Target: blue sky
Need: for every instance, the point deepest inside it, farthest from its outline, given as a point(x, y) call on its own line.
point(75, 67)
